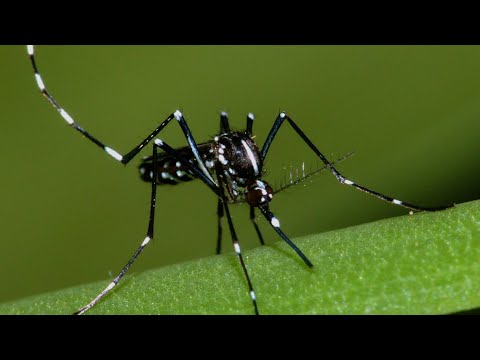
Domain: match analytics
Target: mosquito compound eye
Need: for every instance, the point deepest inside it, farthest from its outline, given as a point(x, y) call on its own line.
point(258, 192)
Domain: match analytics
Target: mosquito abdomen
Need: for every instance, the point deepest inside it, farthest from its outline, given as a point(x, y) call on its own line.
point(169, 171)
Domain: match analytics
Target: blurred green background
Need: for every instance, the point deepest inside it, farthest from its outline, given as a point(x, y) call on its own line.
point(71, 214)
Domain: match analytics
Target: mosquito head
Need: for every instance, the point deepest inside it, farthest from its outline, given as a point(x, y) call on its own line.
point(258, 192)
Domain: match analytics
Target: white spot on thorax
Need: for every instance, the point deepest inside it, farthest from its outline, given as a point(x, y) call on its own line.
point(222, 159)
point(260, 184)
point(251, 157)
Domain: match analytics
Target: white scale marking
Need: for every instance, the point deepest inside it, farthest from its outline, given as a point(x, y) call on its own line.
point(30, 49)
point(222, 159)
point(348, 182)
point(237, 248)
point(250, 116)
point(66, 116)
point(40, 83)
point(158, 142)
point(252, 295)
point(260, 184)
point(110, 286)
point(251, 157)
point(178, 164)
point(170, 177)
point(113, 153)
point(275, 222)
point(178, 115)
point(146, 241)
point(398, 202)
point(180, 173)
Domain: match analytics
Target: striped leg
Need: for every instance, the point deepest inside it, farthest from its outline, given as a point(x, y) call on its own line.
point(220, 214)
point(217, 189)
point(341, 179)
point(145, 242)
point(255, 225)
point(275, 223)
point(236, 246)
point(124, 159)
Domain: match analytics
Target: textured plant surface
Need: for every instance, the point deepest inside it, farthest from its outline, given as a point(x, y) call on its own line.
point(426, 263)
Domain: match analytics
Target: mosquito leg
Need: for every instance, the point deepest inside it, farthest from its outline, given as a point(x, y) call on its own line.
point(124, 159)
point(220, 214)
point(341, 179)
point(273, 221)
point(254, 222)
point(217, 189)
point(145, 242)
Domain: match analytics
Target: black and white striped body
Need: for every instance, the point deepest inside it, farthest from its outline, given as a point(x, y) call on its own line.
point(170, 171)
point(232, 156)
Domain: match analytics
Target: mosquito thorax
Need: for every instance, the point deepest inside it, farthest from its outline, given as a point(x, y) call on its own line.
point(239, 156)
point(258, 192)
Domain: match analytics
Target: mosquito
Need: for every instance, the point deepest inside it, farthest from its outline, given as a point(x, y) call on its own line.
point(230, 165)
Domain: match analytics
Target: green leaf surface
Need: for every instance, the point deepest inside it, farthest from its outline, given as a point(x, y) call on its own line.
point(426, 263)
